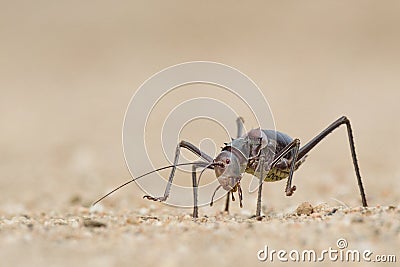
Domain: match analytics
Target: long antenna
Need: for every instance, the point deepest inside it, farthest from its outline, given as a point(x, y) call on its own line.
point(206, 167)
point(134, 179)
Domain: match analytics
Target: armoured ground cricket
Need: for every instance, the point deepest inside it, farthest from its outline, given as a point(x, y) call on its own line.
point(267, 154)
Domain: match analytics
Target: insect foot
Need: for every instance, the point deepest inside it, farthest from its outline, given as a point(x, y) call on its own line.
point(161, 199)
point(290, 191)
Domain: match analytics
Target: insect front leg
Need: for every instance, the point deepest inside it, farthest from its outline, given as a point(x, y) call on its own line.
point(193, 149)
point(195, 185)
point(227, 201)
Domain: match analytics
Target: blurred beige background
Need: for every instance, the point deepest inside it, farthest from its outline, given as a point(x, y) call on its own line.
point(69, 68)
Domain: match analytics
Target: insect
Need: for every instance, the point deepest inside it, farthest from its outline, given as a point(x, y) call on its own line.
point(267, 154)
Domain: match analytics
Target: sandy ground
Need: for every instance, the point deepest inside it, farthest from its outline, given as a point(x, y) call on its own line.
point(138, 237)
point(68, 71)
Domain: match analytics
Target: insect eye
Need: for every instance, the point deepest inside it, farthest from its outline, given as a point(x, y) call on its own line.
point(228, 161)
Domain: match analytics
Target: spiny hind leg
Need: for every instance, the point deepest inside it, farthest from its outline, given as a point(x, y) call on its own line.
point(311, 144)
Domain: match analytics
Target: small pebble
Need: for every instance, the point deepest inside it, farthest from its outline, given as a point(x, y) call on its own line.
point(305, 208)
point(93, 223)
point(334, 210)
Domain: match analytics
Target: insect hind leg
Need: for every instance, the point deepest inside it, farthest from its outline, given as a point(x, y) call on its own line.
point(311, 144)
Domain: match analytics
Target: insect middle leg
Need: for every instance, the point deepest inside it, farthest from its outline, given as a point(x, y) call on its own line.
point(294, 147)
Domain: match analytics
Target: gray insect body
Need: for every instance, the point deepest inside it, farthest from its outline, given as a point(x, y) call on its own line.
point(269, 143)
point(269, 155)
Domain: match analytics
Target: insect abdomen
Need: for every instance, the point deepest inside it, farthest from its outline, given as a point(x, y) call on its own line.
point(276, 174)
